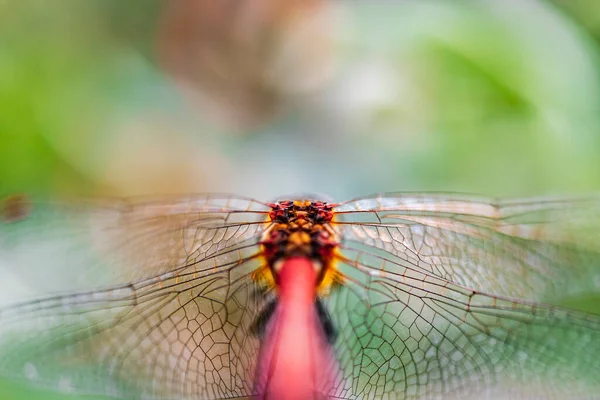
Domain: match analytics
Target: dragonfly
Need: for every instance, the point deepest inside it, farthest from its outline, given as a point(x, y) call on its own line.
point(391, 296)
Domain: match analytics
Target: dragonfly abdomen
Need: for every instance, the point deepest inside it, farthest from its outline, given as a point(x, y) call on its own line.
point(296, 359)
point(259, 326)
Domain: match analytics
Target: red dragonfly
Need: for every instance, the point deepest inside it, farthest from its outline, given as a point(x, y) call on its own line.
point(394, 296)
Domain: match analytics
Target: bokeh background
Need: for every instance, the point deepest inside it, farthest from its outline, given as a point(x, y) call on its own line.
point(265, 97)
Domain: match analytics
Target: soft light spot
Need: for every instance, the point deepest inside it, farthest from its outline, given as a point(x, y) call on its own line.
point(65, 385)
point(30, 371)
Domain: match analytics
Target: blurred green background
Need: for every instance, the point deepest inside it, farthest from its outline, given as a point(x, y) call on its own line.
point(264, 98)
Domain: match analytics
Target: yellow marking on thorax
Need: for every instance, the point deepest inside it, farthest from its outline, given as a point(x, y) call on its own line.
point(332, 277)
point(264, 276)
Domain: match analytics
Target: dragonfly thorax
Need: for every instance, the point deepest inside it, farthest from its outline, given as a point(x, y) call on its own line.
point(300, 229)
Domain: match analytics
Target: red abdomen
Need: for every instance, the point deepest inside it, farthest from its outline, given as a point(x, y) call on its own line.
point(295, 362)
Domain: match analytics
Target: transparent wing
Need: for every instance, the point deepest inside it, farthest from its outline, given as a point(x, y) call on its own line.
point(412, 335)
point(177, 323)
point(535, 249)
point(181, 335)
point(82, 245)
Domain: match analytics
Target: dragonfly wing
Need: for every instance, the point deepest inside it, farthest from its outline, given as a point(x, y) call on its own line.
point(159, 298)
point(181, 335)
point(423, 337)
point(538, 249)
point(84, 245)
